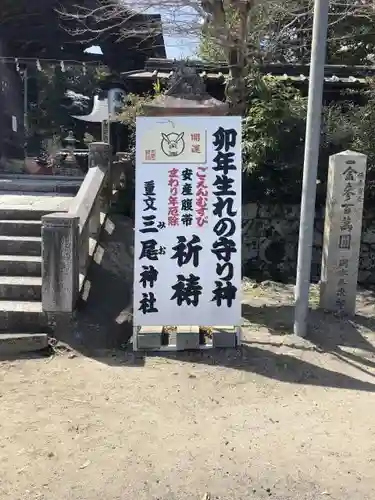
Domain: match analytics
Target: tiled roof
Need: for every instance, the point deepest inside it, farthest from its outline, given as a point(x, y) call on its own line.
point(99, 112)
point(336, 75)
point(148, 75)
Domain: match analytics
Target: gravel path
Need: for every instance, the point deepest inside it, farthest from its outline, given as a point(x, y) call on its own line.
point(280, 418)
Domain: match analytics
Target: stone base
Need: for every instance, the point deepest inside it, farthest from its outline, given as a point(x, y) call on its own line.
point(186, 337)
point(329, 300)
point(149, 337)
point(225, 336)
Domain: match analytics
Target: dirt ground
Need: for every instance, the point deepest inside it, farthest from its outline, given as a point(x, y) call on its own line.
point(282, 417)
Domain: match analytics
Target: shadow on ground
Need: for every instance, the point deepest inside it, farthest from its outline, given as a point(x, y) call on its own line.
point(276, 366)
point(104, 317)
point(102, 327)
point(337, 336)
point(327, 332)
point(261, 358)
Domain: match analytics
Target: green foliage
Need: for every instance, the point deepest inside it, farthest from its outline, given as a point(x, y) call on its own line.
point(51, 108)
point(134, 106)
point(274, 135)
point(209, 51)
point(213, 46)
point(276, 115)
point(350, 126)
point(273, 139)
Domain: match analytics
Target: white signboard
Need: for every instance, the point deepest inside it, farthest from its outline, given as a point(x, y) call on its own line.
point(188, 221)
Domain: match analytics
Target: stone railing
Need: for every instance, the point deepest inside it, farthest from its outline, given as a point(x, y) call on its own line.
point(69, 239)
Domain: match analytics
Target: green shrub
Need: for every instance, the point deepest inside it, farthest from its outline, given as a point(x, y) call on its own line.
point(274, 137)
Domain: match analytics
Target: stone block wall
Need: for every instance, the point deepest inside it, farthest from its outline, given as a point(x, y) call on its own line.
point(270, 243)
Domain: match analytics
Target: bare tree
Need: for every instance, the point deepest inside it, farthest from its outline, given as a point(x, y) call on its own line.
point(351, 34)
point(243, 30)
point(229, 21)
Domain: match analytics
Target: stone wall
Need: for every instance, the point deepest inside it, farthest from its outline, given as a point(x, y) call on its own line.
point(270, 243)
point(11, 117)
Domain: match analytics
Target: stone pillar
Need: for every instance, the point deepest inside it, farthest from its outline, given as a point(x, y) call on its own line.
point(342, 232)
point(60, 262)
point(106, 131)
point(84, 249)
point(122, 169)
point(94, 223)
point(100, 156)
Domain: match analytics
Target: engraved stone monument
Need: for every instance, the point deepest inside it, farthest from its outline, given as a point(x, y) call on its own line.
point(342, 232)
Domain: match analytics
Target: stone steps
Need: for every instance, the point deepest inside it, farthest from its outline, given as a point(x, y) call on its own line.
point(20, 265)
point(22, 316)
point(43, 184)
point(23, 324)
point(41, 177)
point(22, 213)
point(21, 288)
point(20, 245)
point(17, 343)
point(20, 227)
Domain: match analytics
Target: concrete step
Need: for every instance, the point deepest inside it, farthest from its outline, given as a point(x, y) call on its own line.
point(47, 185)
point(17, 343)
point(20, 227)
point(22, 316)
point(20, 265)
point(32, 206)
point(20, 288)
point(38, 177)
point(21, 213)
point(20, 245)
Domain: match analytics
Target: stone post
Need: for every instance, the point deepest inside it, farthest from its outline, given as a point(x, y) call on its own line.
point(100, 156)
point(342, 232)
point(121, 169)
point(94, 223)
point(106, 131)
point(84, 249)
point(60, 262)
